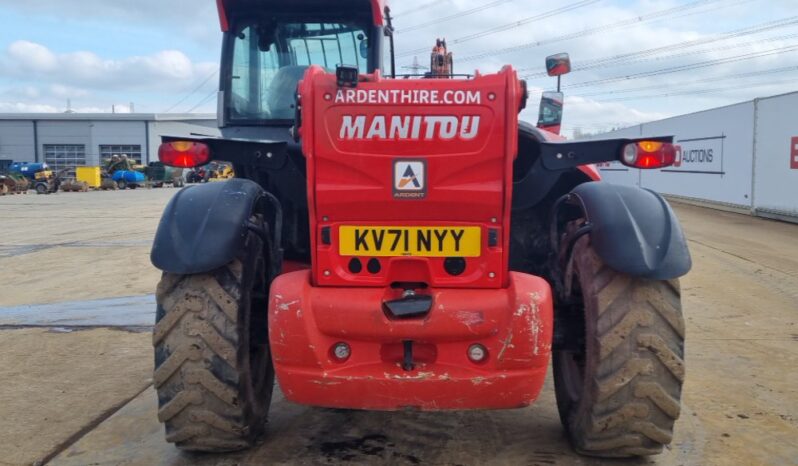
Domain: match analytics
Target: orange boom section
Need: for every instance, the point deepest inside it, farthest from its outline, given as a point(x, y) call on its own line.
point(410, 180)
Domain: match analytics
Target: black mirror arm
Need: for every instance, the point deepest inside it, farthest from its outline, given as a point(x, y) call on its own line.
point(564, 155)
point(389, 32)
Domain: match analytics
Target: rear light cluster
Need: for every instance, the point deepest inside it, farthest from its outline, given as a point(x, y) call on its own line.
point(649, 154)
point(184, 154)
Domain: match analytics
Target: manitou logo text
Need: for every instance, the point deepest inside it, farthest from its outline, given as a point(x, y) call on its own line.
point(412, 128)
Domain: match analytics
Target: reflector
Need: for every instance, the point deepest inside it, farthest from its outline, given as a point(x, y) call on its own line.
point(184, 154)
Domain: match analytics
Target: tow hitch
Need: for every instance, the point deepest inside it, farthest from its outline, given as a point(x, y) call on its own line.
point(409, 306)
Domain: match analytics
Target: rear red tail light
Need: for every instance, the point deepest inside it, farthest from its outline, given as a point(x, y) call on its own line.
point(649, 154)
point(184, 154)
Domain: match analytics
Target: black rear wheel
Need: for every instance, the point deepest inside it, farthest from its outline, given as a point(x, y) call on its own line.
point(214, 374)
point(618, 377)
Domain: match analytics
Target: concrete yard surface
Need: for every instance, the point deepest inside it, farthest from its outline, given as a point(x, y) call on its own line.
point(76, 384)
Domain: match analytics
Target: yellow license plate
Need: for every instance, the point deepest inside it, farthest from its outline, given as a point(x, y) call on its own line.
point(410, 241)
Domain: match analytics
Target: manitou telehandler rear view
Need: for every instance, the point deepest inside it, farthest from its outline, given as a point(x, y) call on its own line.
point(394, 244)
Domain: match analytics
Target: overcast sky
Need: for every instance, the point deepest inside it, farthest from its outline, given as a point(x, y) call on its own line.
point(634, 60)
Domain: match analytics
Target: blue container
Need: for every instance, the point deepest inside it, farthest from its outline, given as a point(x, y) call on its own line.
point(28, 170)
point(130, 177)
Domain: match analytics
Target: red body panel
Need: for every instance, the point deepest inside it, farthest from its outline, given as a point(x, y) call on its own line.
point(465, 133)
point(514, 324)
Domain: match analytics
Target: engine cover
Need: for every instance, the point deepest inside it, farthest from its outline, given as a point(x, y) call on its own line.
point(410, 180)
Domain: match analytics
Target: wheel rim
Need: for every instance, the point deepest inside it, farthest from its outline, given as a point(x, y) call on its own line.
point(258, 345)
point(572, 368)
point(571, 360)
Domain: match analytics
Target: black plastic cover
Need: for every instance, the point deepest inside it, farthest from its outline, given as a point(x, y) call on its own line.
point(634, 230)
point(204, 226)
point(409, 307)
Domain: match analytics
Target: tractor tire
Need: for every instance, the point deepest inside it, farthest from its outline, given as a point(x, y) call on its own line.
point(619, 387)
point(213, 370)
point(121, 184)
point(42, 188)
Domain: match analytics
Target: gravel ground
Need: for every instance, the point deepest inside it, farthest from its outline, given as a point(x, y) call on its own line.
point(79, 395)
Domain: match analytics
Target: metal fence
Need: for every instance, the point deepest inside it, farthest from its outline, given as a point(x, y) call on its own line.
point(743, 156)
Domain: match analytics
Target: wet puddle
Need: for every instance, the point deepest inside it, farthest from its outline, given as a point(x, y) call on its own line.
point(132, 312)
point(23, 249)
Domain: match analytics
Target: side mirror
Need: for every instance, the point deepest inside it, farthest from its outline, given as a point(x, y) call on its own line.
point(558, 65)
point(551, 107)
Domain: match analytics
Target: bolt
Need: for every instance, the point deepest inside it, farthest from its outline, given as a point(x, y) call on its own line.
point(327, 273)
point(342, 351)
point(477, 353)
point(325, 219)
point(491, 275)
point(494, 220)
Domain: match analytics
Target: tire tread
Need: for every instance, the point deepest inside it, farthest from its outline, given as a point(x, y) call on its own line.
point(632, 400)
point(198, 365)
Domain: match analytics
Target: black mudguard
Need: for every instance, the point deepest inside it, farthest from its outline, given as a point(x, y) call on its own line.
point(634, 230)
point(204, 226)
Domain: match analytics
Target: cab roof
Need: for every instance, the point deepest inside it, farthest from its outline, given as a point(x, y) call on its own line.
point(227, 6)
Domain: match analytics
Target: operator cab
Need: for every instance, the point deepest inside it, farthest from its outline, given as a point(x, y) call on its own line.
point(268, 46)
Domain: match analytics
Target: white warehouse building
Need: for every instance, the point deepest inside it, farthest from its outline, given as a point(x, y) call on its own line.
point(84, 139)
point(743, 157)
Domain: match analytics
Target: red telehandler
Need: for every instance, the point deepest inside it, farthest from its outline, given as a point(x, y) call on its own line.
point(394, 244)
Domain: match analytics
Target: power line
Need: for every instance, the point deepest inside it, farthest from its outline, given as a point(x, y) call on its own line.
point(688, 67)
point(462, 14)
point(712, 79)
point(660, 14)
point(515, 24)
point(635, 57)
point(202, 102)
point(692, 92)
point(422, 7)
point(197, 89)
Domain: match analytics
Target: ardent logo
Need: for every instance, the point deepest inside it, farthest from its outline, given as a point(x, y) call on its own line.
point(409, 179)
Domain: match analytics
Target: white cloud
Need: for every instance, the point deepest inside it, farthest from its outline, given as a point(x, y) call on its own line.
point(164, 70)
point(32, 57)
point(195, 19)
point(37, 74)
point(25, 107)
